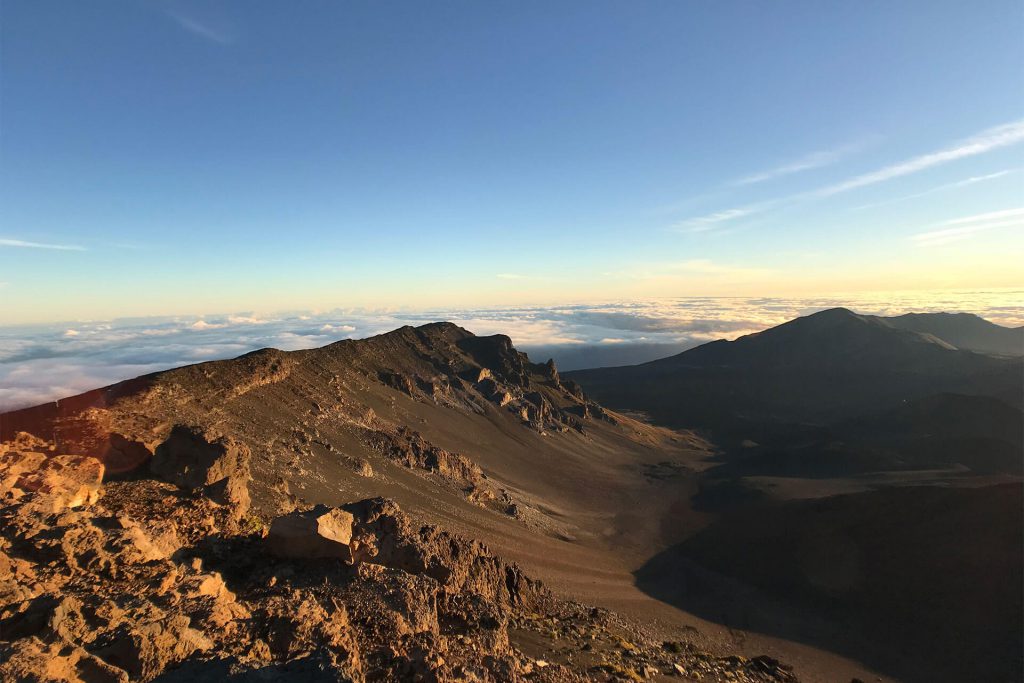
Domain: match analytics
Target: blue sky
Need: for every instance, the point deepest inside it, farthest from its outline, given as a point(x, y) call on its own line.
point(201, 157)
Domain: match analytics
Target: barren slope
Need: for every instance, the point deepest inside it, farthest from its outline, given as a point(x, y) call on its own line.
point(817, 369)
point(461, 431)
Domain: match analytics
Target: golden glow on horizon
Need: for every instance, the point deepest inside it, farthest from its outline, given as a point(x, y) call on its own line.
point(804, 274)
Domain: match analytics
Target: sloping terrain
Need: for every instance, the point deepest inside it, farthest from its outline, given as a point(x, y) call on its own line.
point(449, 420)
point(146, 580)
point(890, 449)
point(470, 440)
point(981, 433)
point(972, 435)
point(965, 331)
point(463, 432)
point(818, 369)
point(937, 570)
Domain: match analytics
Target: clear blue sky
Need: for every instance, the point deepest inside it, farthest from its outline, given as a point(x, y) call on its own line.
point(224, 156)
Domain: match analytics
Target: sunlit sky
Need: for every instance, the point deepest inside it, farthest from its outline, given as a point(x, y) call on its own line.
point(172, 158)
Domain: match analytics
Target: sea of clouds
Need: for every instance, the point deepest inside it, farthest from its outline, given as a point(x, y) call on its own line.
point(45, 362)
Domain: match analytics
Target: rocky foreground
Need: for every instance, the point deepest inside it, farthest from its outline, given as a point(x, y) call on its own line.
point(169, 575)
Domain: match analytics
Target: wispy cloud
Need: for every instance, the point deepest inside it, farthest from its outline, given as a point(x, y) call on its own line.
point(718, 219)
point(963, 228)
point(805, 163)
point(199, 29)
point(985, 141)
point(7, 242)
point(510, 276)
point(941, 188)
point(991, 215)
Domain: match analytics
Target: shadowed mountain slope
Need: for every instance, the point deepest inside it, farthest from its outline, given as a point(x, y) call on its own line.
point(920, 552)
point(943, 430)
point(820, 368)
point(965, 331)
point(937, 570)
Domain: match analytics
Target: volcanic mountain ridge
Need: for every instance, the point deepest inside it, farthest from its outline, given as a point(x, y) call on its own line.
point(164, 528)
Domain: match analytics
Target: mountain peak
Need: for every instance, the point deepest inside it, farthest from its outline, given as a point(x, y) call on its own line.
point(837, 313)
point(434, 330)
point(825, 319)
point(442, 327)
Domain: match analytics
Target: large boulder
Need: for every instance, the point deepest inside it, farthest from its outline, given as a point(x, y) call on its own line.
point(322, 532)
point(219, 466)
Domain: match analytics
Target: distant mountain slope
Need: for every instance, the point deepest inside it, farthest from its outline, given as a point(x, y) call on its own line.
point(824, 367)
point(965, 331)
point(837, 335)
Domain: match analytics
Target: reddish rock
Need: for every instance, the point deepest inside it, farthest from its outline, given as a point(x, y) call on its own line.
point(55, 483)
point(219, 466)
point(31, 660)
point(322, 532)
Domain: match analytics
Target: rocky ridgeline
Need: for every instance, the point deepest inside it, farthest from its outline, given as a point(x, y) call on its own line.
point(464, 371)
point(290, 410)
point(169, 577)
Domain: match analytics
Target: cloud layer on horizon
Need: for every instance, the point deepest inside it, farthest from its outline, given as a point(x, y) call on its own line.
point(42, 363)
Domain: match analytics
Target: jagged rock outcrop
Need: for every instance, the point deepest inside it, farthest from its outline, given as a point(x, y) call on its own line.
point(550, 372)
point(412, 450)
point(574, 390)
point(377, 532)
point(58, 482)
point(192, 459)
point(384, 535)
point(500, 357)
point(398, 381)
point(465, 368)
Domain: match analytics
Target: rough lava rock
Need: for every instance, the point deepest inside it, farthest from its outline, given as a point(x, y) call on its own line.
point(58, 482)
point(192, 459)
point(318, 533)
